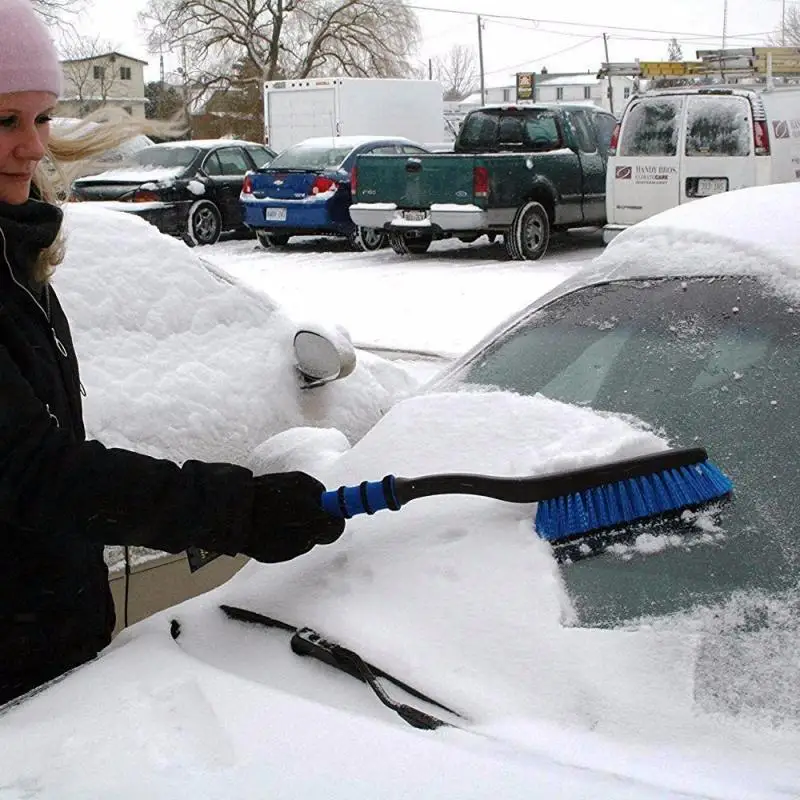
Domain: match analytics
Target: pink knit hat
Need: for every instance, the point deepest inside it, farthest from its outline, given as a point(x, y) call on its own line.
point(28, 58)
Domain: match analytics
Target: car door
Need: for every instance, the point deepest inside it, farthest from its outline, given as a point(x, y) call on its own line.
point(593, 167)
point(719, 152)
point(643, 176)
point(226, 170)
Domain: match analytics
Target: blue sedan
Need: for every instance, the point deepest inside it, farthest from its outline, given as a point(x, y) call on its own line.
point(307, 190)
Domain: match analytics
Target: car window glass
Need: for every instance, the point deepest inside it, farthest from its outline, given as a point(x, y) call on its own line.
point(541, 131)
point(384, 150)
point(479, 130)
point(604, 125)
point(409, 149)
point(260, 155)
point(211, 165)
point(312, 156)
point(165, 156)
point(651, 127)
point(510, 130)
point(709, 362)
point(584, 136)
point(718, 126)
point(233, 161)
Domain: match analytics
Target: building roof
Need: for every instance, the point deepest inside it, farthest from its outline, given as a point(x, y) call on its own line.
point(584, 79)
point(98, 56)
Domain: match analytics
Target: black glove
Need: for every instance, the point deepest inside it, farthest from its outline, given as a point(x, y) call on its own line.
point(287, 517)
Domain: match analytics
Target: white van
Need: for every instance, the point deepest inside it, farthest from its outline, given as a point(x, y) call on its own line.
point(679, 144)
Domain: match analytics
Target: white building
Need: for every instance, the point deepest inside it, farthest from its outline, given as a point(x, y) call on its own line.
point(583, 87)
point(105, 79)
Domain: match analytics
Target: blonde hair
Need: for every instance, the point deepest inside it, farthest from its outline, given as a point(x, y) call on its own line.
point(72, 148)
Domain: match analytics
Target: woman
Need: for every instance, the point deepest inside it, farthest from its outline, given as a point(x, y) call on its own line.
point(63, 498)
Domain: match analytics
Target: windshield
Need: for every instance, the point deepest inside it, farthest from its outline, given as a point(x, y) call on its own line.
point(164, 157)
point(312, 157)
point(703, 361)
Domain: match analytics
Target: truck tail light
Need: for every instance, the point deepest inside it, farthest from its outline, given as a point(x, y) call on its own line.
point(353, 180)
point(480, 182)
point(761, 137)
point(321, 184)
point(247, 186)
point(612, 147)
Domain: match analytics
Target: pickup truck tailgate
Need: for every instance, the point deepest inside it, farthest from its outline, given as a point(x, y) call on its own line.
point(415, 181)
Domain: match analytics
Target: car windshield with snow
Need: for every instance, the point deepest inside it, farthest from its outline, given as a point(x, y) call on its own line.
point(703, 359)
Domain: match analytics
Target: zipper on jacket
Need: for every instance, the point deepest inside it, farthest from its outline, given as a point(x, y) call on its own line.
point(45, 311)
point(52, 415)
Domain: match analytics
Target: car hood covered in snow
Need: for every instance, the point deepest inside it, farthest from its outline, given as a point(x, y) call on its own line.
point(457, 597)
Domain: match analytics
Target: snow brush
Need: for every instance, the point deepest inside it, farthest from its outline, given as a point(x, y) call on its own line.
point(571, 504)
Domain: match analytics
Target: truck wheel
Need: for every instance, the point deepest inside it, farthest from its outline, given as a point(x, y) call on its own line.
point(269, 240)
point(530, 233)
point(398, 243)
point(367, 239)
point(418, 246)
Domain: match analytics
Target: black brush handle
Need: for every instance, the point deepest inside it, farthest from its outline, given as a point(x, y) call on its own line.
point(393, 493)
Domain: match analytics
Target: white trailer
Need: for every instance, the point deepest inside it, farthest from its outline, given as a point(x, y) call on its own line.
point(299, 109)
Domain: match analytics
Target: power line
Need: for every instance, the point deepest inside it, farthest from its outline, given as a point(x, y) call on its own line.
point(512, 17)
point(546, 56)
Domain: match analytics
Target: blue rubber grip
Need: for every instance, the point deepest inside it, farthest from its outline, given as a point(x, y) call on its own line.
point(366, 498)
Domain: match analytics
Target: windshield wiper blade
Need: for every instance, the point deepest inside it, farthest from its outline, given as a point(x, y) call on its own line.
point(307, 642)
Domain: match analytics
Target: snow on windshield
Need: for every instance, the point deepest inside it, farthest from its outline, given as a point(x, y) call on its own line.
point(718, 126)
point(650, 127)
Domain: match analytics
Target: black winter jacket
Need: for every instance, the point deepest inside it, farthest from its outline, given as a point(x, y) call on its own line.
point(62, 498)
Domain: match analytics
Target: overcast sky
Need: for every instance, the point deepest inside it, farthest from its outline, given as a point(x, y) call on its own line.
point(635, 29)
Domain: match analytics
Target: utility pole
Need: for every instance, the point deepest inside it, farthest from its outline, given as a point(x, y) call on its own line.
point(480, 59)
point(725, 24)
point(430, 69)
point(610, 87)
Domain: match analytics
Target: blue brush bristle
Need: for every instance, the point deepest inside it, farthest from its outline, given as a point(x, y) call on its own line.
point(630, 500)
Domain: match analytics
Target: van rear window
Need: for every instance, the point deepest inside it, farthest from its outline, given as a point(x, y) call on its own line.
point(718, 126)
point(651, 127)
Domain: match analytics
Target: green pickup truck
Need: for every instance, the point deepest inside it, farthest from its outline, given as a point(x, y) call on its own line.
point(520, 171)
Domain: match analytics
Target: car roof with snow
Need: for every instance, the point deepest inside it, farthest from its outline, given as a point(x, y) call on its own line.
point(207, 143)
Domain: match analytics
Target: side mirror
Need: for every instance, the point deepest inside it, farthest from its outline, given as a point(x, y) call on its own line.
point(322, 358)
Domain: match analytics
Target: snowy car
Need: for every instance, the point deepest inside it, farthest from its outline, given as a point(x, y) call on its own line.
point(185, 188)
point(179, 361)
point(663, 667)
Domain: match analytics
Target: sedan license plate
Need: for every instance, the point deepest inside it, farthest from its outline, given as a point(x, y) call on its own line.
point(707, 186)
point(415, 216)
point(275, 214)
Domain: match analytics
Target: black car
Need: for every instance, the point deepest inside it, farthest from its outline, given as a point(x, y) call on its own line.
point(184, 188)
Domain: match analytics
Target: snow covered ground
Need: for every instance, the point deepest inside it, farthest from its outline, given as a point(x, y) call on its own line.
point(441, 302)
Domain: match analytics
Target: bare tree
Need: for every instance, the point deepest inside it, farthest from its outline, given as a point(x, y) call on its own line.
point(284, 38)
point(90, 71)
point(789, 32)
point(457, 71)
point(674, 51)
point(59, 13)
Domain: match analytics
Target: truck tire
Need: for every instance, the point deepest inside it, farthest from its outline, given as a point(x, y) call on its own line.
point(398, 243)
point(269, 240)
point(529, 236)
point(367, 239)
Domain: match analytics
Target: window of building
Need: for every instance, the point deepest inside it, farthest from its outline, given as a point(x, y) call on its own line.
point(560, 93)
point(627, 93)
point(125, 73)
point(587, 92)
point(506, 95)
point(98, 72)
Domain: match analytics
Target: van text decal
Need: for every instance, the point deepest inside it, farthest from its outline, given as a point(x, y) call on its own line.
point(786, 128)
